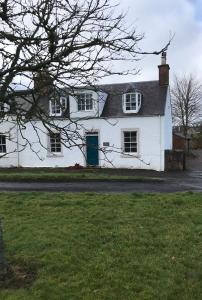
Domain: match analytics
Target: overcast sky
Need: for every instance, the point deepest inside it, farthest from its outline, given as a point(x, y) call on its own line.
point(157, 19)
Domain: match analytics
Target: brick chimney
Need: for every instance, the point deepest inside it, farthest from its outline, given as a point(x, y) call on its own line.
point(163, 71)
point(43, 82)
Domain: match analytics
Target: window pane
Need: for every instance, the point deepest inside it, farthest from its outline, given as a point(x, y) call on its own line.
point(133, 133)
point(133, 106)
point(128, 97)
point(55, 142)
point(85, 101)
point(132, 101)
point(130, 141)
point(2, 143)
point(126, 134)
point(133, 139)
point(55, 107)
point(127, 140)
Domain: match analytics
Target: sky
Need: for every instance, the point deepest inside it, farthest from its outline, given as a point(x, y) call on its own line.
point(158, 20)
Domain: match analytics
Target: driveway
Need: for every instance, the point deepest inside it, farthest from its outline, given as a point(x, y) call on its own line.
point(173, 182)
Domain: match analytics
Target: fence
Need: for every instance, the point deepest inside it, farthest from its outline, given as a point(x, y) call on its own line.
point(175, 160)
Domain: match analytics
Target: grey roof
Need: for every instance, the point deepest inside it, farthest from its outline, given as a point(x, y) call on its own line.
point(153, 102)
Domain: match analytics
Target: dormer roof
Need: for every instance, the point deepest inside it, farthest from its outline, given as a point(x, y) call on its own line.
point(153, 102)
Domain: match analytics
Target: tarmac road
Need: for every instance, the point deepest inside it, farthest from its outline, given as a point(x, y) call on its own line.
point(191, 181)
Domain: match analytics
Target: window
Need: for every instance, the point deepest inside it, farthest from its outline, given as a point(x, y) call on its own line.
point(2, 143)
point(130, 141)
point(132, 102)
point(55, 142)
point(57, 106)
point(85, 101)
point(4, 107)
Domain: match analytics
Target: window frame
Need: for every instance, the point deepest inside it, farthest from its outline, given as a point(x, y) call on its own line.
point(3, 144)
point(59, 105)
point(85, 104)
point(59, 153)
point(129, 154)
point(137, 102)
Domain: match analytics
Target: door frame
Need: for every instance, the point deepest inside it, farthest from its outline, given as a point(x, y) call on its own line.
point(95, 132)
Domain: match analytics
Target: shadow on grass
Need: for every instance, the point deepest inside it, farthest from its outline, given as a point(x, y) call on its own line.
point(16, 277)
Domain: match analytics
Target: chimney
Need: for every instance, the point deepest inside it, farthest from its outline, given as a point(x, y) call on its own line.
point(163, 71)
point(43, 82)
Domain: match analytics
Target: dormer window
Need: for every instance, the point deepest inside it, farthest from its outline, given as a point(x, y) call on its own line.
point(57, 106)
point(85, 101)
point(132, 102)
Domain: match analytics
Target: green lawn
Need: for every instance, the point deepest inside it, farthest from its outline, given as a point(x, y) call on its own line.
point(90, 246)
point(51, 175)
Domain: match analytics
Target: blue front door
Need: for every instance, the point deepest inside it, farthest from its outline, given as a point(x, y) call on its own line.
point(92, 150)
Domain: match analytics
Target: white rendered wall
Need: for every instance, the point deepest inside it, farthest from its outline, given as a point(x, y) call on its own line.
point(10, 130)
point(150, 145)
point(168, 123)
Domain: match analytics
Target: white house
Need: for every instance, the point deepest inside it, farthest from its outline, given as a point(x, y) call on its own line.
point(125, 125)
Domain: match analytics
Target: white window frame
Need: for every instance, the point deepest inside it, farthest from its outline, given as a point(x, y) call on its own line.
point(62, 105)
point(2, 144)
point(137, 101)
point(85, 100)
point(128, 154)
point(49, 144)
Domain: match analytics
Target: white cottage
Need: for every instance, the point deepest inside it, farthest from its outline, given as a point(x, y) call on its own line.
point(126, 125)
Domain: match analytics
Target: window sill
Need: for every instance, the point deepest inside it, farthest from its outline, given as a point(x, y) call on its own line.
point(130, 155)
point(55, 115)
point(91, 110)
point(130, 111)
point(54, 155)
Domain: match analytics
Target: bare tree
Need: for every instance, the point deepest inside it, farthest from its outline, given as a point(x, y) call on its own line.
point(59, 44)
point(186, 101)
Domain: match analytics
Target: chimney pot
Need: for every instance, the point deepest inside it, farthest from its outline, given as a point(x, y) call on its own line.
point(163, 71)
point(163, 58)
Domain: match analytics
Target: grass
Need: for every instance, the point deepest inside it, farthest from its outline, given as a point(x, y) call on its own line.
point(90, 246)
point(51, 175)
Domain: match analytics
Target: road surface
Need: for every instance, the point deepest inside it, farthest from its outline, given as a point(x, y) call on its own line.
point(191, 181)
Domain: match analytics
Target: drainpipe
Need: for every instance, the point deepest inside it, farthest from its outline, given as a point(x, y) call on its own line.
point(18, 153)
point(98, 102)
point(160, 142)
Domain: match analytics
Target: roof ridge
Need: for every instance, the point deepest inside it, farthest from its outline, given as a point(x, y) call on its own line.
point(132, 82)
